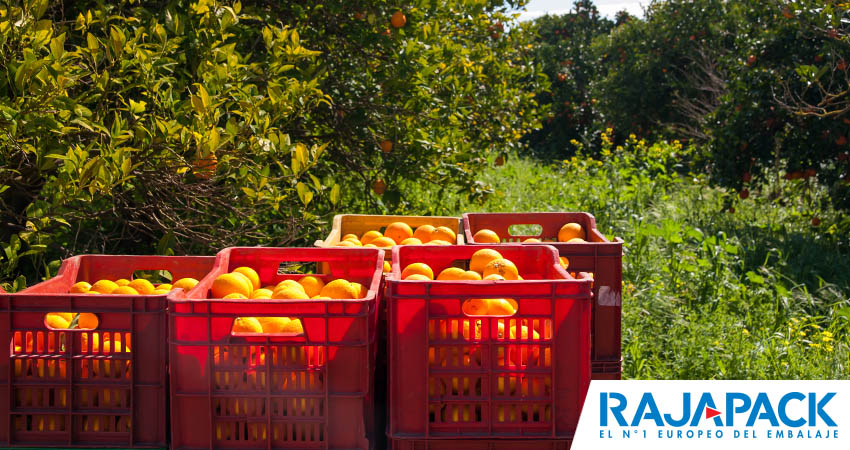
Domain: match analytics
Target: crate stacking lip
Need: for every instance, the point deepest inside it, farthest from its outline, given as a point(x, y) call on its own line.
point(361, 223)
point(602, 257)
point(454, 375)
point(105, 387)
point(276, 391)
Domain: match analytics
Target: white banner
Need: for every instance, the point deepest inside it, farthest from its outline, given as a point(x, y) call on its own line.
point(715, 414)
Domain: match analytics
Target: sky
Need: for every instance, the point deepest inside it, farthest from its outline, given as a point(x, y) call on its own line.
point(537, 8)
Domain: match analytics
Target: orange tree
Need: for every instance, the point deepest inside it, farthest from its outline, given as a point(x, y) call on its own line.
point(563, 50)
point(185, 126)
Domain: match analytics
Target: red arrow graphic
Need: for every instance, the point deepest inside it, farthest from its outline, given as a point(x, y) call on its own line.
point(711, 412)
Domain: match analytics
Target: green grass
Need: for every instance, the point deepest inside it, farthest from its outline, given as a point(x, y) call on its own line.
point(755, 294)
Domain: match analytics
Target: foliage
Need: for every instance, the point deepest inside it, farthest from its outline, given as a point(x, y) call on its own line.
point(183, 126)
point(757, 293)
point(563, 50)
point(762, 86)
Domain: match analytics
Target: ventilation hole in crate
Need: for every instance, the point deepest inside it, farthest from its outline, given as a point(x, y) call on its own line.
point(39, 422)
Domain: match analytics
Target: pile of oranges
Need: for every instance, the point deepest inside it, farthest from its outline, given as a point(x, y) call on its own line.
point(123, 286)
point(243, 283)
point(571, 233)
point(400, 233)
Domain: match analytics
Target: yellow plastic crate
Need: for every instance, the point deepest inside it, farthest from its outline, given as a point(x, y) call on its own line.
point(361, 223)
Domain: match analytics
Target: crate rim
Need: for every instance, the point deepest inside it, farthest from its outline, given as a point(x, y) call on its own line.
point(467, 229)
point(220, 267)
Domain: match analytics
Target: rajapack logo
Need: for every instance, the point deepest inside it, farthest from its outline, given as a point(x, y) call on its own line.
point(742, 414)
point(747, 410)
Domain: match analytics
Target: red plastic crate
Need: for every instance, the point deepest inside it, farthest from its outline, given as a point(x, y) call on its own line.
point(56, 390)
point(481, 444)
point(599, 255)
point(276, 391)
point(459, 376)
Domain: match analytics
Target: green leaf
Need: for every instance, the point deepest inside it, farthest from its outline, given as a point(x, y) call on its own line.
point(755, 278)
point(304, 193)
point(334, 195)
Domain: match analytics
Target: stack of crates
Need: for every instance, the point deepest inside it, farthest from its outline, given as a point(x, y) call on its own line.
point(407, 359)
point(307, 390)
point(103, 387)
point(463, 381)
point(599, 256)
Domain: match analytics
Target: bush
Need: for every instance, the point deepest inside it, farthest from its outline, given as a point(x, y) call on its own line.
point(184, 126)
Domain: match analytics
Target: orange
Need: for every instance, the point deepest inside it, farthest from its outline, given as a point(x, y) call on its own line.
point(56, 321)
point(69, 316)
point(494, 276)
point(500, 307)
point(164, 286)
point(290, 283)
point(531, 240)
point(103, 286)
point(142, 286)
point(293, 327)
point(398, 231)
point(87, 321)
point(122, 282)
point(350, 236)
point(370, 245)
point(470, 275)
point(423, 233)
point(565, 262)
point(127, 290)
point(569, 231)
point(247, 281)
point(338, 289)
point(362, 291)
point(379, 186)
point(247, 325)
point(486, 236)
point(346, 244)
point(387, 267)
point(235, 296)
point(289, 292)
point(417, 268)
point(262, 293)
point(370, 236)
point(185, 283)
point(386, 144)
point(229, 283)
point(418, 277)
point(319, 297)
point(576, 240)
point(252, 275)
point(439, 242)
point(158, 291)
point(273, 324)
point(312, 285)
point(205, 167)
point(481, 258)
point(411, 241)
point(398, 19)
point(525, 354)
point(79, 288)
point(475, 307)
point(383, 242)
point(502, 267)
point(451, 274)
point(356, 242)
point(444, 234)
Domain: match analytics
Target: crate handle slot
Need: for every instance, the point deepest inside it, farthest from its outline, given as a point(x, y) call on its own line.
point(489, 307)
point(71, 321)
point(286, 327)
point(525, 229)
